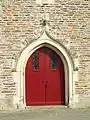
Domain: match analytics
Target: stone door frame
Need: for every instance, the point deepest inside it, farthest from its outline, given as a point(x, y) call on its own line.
point(44, 40)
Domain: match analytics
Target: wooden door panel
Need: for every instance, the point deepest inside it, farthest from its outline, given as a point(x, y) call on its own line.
point(34, 89)
point(45, 85)
point(55, 80)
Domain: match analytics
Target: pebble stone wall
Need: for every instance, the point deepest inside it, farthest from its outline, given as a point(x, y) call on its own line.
point(22, 21)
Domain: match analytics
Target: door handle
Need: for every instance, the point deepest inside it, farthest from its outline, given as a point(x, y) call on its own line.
point(46, 82)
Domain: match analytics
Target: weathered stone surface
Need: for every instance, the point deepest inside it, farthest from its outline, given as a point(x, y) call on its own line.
point(68, 22)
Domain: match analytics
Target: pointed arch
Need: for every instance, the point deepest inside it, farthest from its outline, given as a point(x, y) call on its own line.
point(64, 55)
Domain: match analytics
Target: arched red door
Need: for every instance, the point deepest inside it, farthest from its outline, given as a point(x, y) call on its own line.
point(44, 78)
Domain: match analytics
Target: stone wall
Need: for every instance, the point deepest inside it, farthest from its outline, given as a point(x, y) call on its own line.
point(22, 21)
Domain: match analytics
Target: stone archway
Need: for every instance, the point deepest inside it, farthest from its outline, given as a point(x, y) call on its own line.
point(64, 55)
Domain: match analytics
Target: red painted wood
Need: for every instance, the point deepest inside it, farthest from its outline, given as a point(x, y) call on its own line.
point(56, 85)
point(36, 93)
point(34, 89)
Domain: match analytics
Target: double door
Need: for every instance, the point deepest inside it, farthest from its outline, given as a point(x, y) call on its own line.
point(44, 79)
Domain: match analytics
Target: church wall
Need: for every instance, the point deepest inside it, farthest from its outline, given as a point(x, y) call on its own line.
point(23, 21)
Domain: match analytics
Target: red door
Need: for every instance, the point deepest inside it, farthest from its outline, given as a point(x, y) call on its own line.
point(44, 77)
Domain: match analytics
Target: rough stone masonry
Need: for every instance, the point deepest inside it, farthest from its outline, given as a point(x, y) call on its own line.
point(21, 22)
